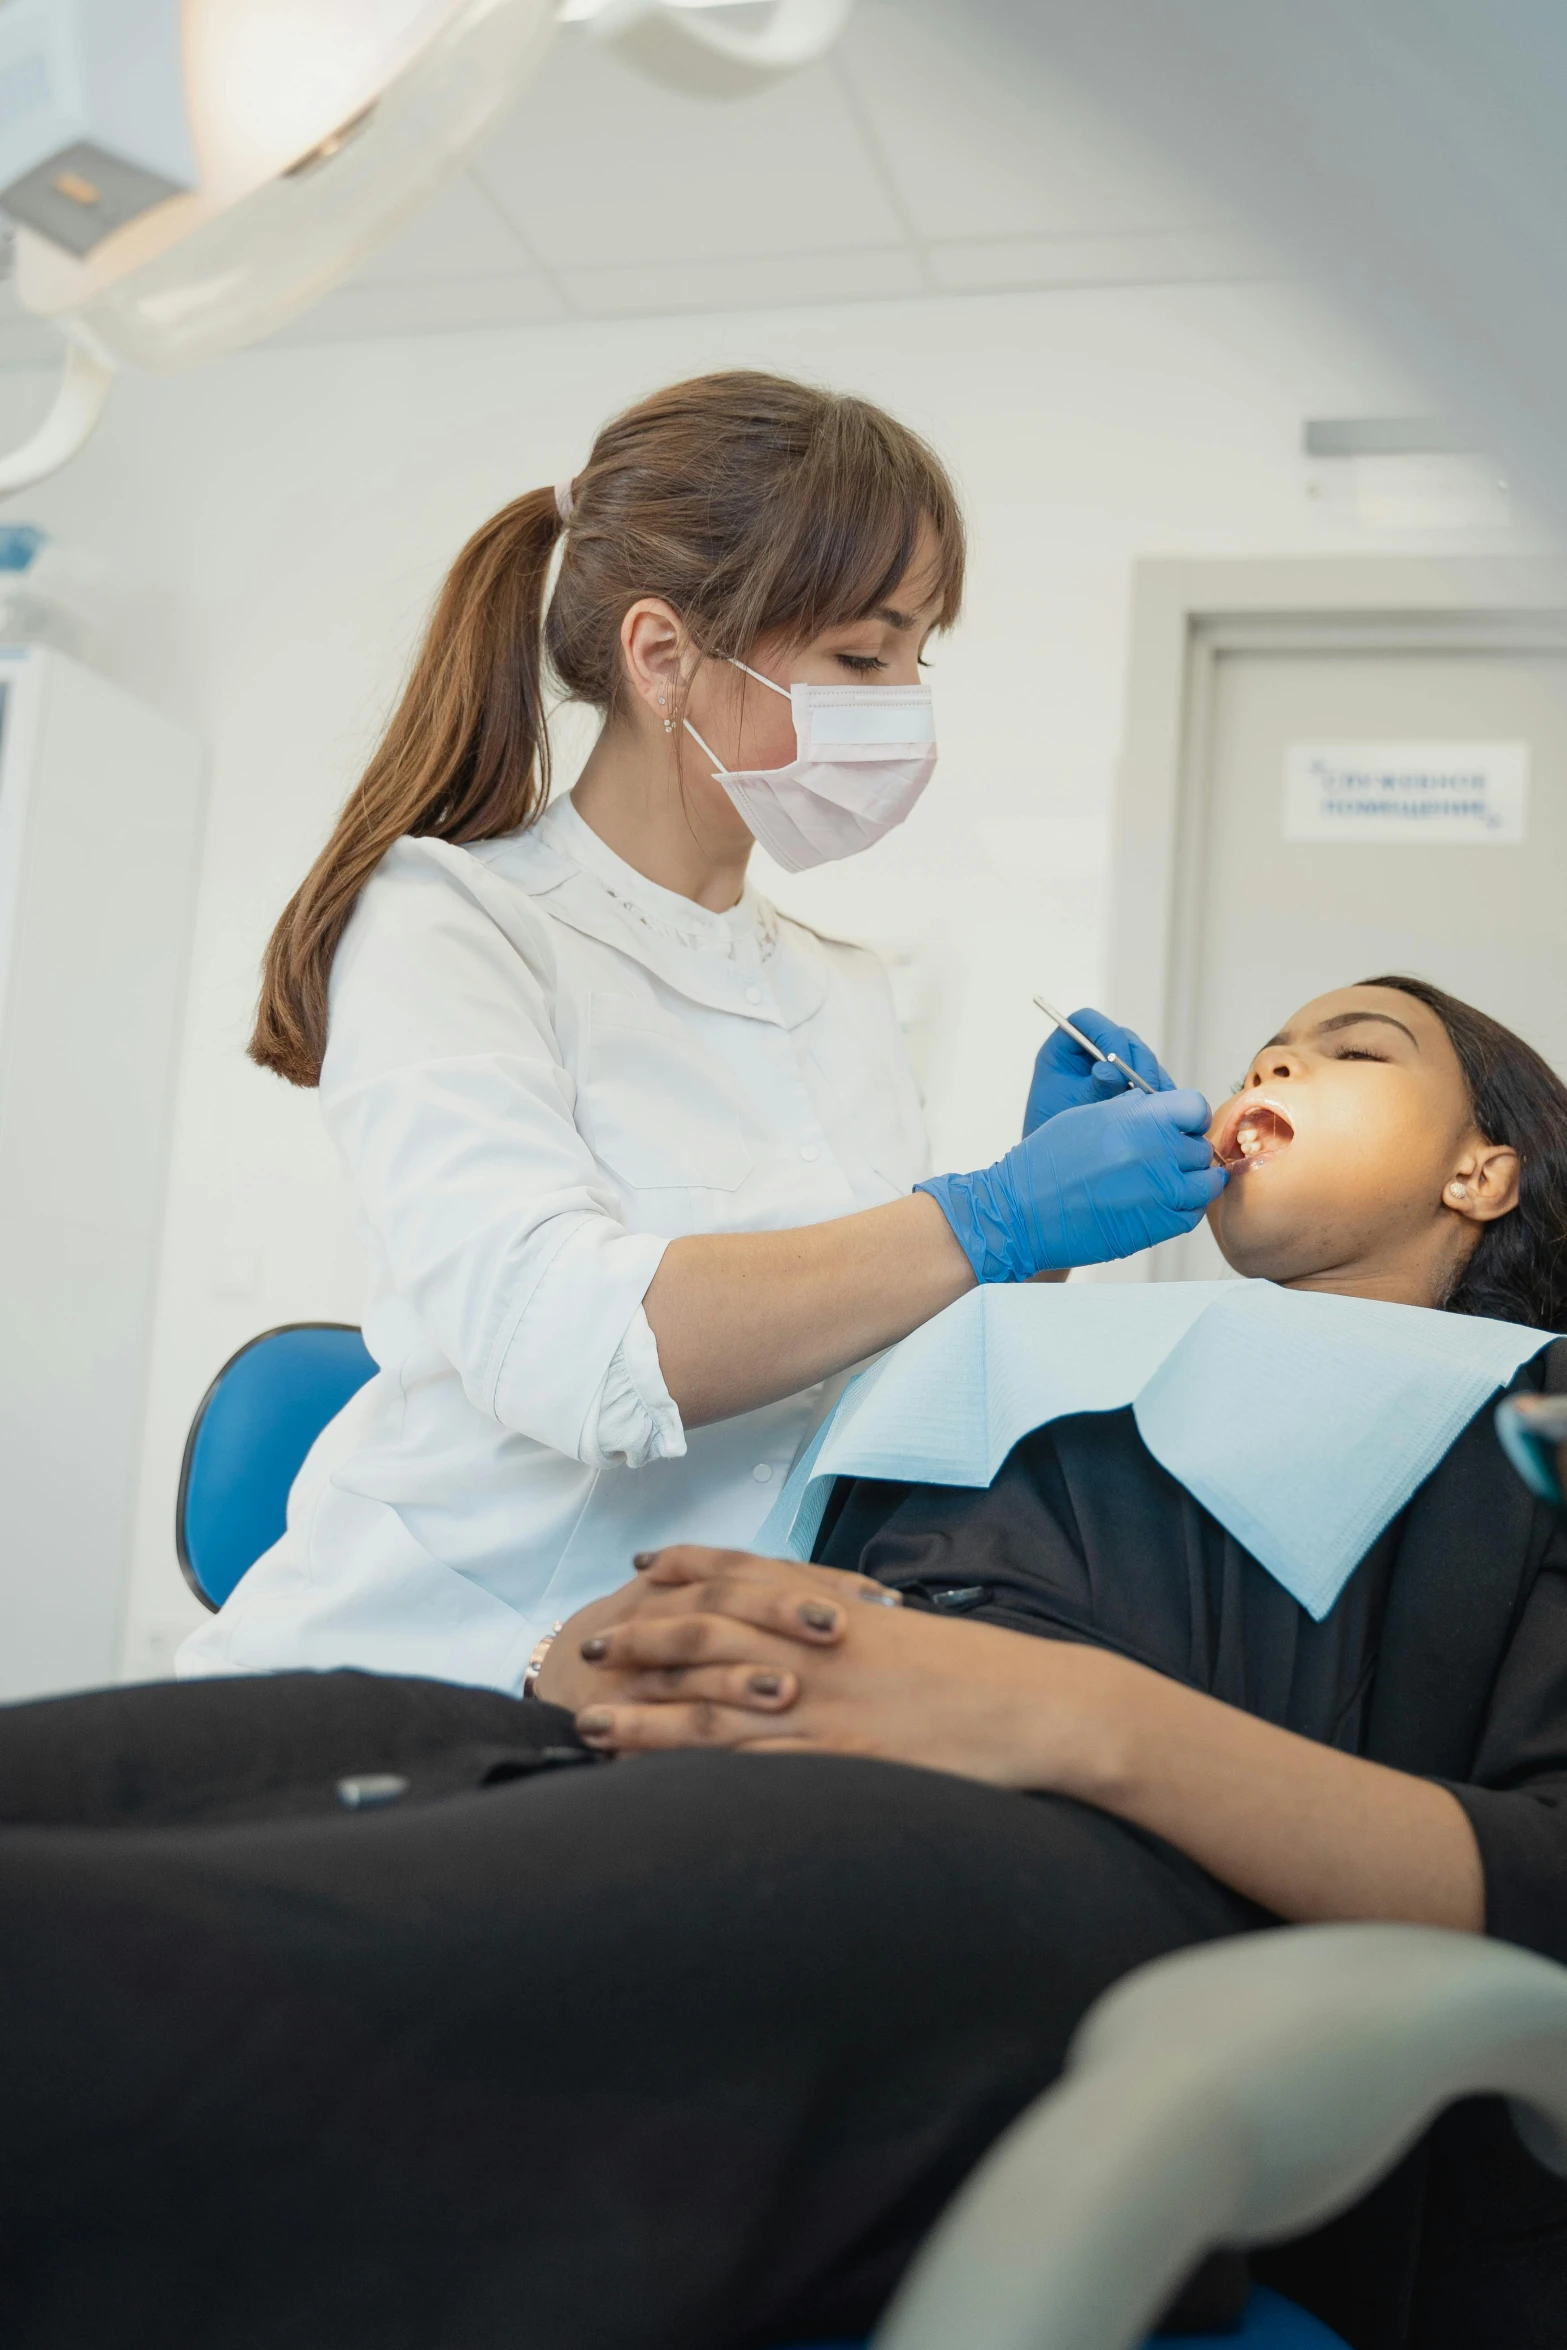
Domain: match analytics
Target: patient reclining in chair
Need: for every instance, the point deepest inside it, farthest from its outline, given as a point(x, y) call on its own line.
point(1085, 1627)
point(1388, 1145)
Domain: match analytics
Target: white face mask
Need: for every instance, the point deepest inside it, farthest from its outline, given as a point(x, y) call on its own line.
point(866, 752)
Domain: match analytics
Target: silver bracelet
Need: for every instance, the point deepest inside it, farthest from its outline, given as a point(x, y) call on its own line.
point(535, 1664)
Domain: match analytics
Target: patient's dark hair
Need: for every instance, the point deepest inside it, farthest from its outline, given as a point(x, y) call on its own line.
point(1518, 1270)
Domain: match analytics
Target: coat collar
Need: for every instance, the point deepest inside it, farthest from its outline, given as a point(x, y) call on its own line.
point(709, 958)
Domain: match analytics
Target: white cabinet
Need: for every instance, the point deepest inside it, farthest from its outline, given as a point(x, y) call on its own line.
point(99, 814)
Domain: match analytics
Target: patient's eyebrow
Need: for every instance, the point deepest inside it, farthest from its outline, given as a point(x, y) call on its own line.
point(1344, 1020)
point(1354, 1019)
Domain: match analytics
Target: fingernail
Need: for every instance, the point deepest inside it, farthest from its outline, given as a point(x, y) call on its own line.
point(643, 1558)
point(883, 1598)
point(595, 1723)
point(766, 1684)
point(593, 1648)
point(817, 1616)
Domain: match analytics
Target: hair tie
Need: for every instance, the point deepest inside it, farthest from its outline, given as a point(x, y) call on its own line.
point(564, 501)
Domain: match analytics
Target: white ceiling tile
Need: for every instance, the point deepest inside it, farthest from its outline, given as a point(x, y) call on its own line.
point(1153, 257)
point(665, 286)
point(458, 233)
point(600, 168)
point(906, 162)
point(974, 154)
point(353, 311)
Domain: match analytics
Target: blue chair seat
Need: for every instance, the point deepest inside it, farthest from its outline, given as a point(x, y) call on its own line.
point(252, 1430)
point(1270, 2323)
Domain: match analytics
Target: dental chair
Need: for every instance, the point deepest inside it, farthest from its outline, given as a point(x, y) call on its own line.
point(248, 1441)
point(1239, 2094)
point(1235, 2095)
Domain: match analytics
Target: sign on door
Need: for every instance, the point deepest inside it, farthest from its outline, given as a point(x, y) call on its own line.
point(1452, 794)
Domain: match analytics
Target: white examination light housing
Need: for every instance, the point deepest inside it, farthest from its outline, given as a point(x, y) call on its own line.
point(252, 152)
point(318, 126)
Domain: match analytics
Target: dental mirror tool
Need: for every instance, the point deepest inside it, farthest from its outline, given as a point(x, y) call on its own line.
point(1088, 1045)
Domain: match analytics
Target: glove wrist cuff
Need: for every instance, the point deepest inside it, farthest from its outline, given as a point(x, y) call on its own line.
point(964, 1201)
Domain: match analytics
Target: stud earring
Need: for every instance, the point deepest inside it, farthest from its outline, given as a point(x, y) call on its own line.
point(1459, 1190)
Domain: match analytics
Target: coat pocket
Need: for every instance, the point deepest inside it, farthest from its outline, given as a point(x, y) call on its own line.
point(654, 1106)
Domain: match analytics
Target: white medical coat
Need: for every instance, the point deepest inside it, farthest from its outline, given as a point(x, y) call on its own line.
point(542, 1068)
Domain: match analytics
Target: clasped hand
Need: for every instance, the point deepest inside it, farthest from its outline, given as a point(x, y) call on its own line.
point(723, 1649)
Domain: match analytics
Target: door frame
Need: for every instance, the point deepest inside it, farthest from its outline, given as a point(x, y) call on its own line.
point(1185, 616)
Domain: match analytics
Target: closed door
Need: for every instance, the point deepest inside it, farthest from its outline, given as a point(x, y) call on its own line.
point(1362, 806)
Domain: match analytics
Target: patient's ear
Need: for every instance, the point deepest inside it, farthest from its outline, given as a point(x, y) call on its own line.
point(1484, 1184)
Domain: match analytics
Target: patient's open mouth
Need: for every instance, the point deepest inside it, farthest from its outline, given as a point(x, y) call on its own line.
point(1252, 1130)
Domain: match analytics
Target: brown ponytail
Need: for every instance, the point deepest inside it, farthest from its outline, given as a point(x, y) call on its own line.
point(751, 504)
point(464, 758)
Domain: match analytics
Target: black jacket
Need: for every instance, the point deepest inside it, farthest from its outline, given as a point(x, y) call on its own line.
point(1446, 1656)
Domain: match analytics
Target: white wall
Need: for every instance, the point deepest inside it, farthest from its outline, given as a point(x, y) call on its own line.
point(271, 531)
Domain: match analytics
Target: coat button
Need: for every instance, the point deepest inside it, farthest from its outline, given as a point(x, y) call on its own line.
point(753, 995)
point(809, 1151)
point(763, 1472)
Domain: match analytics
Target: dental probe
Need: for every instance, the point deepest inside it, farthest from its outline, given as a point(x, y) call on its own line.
point(1088, 1045)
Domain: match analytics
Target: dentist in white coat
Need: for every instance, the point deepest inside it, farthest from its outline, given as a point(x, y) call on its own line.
point(634, 1153)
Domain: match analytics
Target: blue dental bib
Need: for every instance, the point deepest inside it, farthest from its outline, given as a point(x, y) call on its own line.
point(1302, 1422)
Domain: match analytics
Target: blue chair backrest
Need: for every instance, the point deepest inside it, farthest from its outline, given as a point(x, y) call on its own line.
point(252, 1430)
point(1269, 2323)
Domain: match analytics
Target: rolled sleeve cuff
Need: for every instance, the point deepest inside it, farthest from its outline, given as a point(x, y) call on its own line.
point(566, 1356)
point(1522, 1835)
point(637, 1420)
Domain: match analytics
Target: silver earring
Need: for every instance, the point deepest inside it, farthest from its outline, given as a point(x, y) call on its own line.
point(1459, 1190)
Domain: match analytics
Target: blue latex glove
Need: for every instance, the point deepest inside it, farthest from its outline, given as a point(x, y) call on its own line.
point(1097, 1182)
point(1065, 1076)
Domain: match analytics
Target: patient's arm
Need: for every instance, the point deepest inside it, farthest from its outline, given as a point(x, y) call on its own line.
point(1306, 1831)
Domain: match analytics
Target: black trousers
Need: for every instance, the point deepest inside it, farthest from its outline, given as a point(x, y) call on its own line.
point(678, 2054)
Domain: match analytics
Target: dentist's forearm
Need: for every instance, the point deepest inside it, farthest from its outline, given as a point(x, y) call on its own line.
point(741, 1318)
point(1309, 1832)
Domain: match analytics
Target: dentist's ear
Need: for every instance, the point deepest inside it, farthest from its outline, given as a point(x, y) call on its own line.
point(1484, 1185)
point(657, 652)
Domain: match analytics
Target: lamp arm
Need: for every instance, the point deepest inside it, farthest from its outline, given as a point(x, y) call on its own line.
point(682, 49)
point(1232, 2095)
point(77, 405)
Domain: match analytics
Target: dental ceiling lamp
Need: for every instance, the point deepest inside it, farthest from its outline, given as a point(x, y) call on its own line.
point(182, 176)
